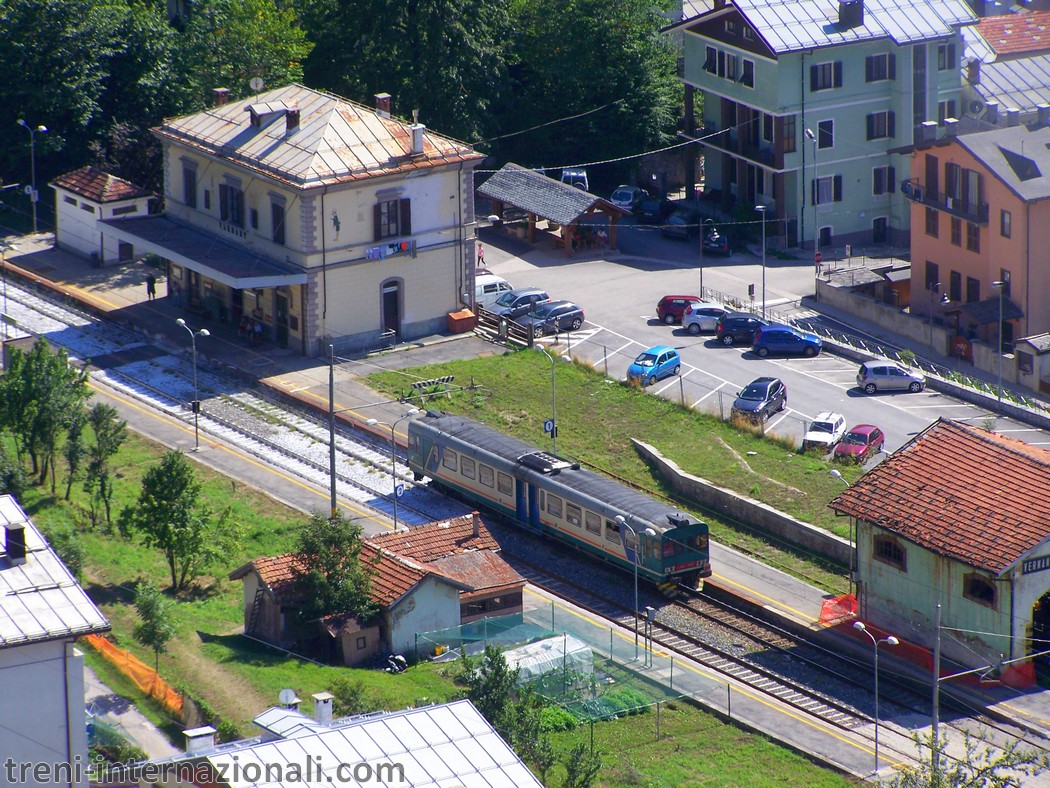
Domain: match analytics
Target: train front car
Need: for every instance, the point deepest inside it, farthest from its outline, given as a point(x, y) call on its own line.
point(685, 550)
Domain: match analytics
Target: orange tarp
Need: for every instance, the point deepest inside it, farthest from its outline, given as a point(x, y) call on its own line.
point(145, 677)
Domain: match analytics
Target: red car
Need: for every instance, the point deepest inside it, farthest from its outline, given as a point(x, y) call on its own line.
point(860, 443)
point(672, 307)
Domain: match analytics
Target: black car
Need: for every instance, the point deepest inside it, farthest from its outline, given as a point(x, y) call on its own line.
point(683, 223)
point(551, 317)
point(716, 243)
point(732, 328)
point(517, 302)
point(652, 210)
point(760, 399)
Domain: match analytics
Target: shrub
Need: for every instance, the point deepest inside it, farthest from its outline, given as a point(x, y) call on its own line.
point(554, 719)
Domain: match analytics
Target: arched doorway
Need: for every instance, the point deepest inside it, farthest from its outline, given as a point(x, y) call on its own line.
point(391, 306)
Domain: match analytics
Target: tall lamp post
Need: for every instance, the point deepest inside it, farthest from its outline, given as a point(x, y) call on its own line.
point(196, 399)
point(815, 199)
point(637, 545)
point(393, 449)
point(762, 213)
point(554, 402)
point(1000, 285)
point(933, 305)
point(32, 163)
point(889, 641)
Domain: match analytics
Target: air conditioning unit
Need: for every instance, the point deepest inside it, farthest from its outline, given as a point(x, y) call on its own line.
point(976, 107)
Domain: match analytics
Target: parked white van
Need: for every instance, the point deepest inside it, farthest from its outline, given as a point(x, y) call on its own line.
point(488, 288)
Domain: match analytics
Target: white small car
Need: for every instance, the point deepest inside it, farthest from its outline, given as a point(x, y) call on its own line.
point(824, 432)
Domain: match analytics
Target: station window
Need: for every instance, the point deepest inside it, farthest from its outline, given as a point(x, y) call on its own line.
point(888, 550)
point(612, 531)
point(978, 588)
point(361, 643)
point(467, 467)
point(504, 484)
point(573, 514)
point(554, 506)
point(450, 460)
point(486, 475)
point(593, 522)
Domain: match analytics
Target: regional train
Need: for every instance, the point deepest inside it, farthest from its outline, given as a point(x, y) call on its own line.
point(546, 494)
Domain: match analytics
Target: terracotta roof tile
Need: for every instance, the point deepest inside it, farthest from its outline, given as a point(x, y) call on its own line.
point(98, 186)
point(1010, 34)
point(971, 495)
point(429, 542)
point(480, 570)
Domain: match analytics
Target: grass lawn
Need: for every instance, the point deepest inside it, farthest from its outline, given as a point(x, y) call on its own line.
point(598, 417)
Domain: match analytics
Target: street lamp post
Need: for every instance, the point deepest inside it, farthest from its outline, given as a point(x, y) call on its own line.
point(762, 212)
point(889, 641)
point(32, 164)
point(703, 234)
point(1000, 286)
point(393, 449)
point(196, 399)
point(815, 199)
point(933, 305)
point(637, 545)
point(554, 402)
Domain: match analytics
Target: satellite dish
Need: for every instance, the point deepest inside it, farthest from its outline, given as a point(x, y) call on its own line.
point(287, 696)
point(256, 84)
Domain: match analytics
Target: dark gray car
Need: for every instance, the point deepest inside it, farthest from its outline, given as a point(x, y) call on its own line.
point(760, 399)
point(517, 302)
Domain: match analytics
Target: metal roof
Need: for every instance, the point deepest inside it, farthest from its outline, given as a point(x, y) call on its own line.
point(986, 312)
point(335, 141)
point(794, 25)
point(537, 194)
point(40, 599)
point(232, 265)
point(1021, 81)
point(443, 745)
point(1016, 155)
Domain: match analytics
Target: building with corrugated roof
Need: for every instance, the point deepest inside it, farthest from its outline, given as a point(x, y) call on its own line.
point(960, 516)
point(325, 221)
point(43, 610)
point(805, 100)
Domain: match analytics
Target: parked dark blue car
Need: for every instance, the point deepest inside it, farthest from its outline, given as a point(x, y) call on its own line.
point(785, 340)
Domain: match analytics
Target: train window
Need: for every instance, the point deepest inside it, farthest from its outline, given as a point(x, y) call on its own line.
point(554, 505)
point(504, 483)
point(466, 467)
point(449, 459)
point(593, 522)
point(413, 443)
point(486, 475)
point(631, 540)
point(670, 548)
point(573, 514)
point(612, 531)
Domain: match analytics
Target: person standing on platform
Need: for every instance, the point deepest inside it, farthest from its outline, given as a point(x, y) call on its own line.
point(151, 287)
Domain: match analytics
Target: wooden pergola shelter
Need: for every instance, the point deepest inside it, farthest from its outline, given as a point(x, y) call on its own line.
point(545, 198)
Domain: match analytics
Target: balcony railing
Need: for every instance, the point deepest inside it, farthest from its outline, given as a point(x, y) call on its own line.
point(731, 141)
point(977, 213)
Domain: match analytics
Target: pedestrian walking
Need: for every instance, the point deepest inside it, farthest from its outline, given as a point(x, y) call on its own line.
point(481, 255)
point(151, 287)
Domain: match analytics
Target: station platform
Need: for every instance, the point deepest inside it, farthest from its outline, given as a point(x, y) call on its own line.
point(120, 294)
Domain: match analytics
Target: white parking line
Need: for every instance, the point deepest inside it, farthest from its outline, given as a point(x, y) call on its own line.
point(711, 393)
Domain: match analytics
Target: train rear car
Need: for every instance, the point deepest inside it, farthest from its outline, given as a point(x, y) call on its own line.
point(558, 498)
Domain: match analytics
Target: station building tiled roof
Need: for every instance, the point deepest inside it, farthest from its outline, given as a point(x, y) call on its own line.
point(437, 540)
point(968, 494)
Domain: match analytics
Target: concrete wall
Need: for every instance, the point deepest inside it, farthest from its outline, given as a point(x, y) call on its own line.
point(755, 513)
point(431, 605)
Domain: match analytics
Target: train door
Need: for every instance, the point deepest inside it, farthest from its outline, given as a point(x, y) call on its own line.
point(534, 506)
point(520, 505)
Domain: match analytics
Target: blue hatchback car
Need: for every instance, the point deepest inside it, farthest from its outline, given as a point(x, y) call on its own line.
point(654, 364)
point(786, 340)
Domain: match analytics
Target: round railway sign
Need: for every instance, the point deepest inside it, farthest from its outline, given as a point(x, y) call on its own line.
point(818, 258)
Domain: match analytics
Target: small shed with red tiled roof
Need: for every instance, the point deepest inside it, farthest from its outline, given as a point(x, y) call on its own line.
point(84, 196)
point(463, 549)
point(960, 516)
point(412, 598)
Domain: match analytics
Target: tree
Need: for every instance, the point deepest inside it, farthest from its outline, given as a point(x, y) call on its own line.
point(446, 58)
point(168, 516)
point(110, 434)
point(227, 42)
point(332, 576)
point(155, 628)
point(490, 686)
point(983, 765)
point(581, 766)
point(41, 392)
point(75, 450)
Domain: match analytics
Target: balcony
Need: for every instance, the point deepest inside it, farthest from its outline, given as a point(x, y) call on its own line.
point(976, 213)
point(731, 141)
